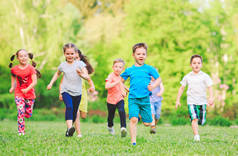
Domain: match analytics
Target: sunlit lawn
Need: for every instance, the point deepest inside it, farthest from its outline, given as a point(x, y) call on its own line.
point(47, 138)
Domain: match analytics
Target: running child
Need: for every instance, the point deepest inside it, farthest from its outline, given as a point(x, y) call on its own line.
point(198, 82)
point(82, 112)
point(140, 88)
point(71, 88)
point(23, 81)
point(156, 102)
point(115, 97)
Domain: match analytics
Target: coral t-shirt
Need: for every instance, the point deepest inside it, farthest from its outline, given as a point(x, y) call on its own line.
point(23, 79)
point(114, 94)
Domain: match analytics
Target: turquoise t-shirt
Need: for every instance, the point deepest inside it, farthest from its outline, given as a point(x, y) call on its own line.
point(140, 78)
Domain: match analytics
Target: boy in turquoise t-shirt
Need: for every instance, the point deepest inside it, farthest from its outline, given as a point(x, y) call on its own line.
point(140, 88)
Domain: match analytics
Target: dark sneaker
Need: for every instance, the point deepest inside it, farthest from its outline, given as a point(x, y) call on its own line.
point(152, 131)
point(70, 132)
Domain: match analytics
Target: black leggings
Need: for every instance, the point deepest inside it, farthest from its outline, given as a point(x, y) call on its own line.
point(111, 113)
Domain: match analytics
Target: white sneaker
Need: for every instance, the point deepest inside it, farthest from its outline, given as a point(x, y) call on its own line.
point(111, 130)
point(123, 132)
point(196, 138)
point(79, 135)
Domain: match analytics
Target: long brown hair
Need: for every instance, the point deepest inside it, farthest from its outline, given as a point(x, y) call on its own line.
point(85, 60)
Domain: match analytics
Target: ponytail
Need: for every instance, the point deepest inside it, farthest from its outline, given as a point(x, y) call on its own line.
point(33, 63)
point(11, 59)
point(85, 60)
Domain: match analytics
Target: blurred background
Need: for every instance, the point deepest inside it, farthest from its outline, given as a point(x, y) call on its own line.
point(107, 29)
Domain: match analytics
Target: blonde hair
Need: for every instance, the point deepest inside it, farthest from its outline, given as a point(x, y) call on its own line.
point(119, 60)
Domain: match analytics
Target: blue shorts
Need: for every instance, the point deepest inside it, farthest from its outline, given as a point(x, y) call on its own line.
point(156, 109)
point(140, 106)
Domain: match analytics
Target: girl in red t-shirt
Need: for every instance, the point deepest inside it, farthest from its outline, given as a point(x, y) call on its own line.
point(23, 80)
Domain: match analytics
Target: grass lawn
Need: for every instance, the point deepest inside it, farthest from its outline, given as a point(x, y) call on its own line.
point(47, 138)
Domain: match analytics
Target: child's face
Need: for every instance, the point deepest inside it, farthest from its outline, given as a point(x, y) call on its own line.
point(140, 56)
point(118, 68)
point(77, 56)
point(196, 64)
point(22, 57)
point(69, 54)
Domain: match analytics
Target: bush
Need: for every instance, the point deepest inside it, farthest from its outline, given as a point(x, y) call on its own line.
point(220, 121)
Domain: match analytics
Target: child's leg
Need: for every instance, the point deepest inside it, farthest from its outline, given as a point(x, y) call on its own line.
point(133, 123)
point(153, 114)
point(133, 116)
point(122, 113)
point(76, 102)
point(29, 107)
point(77, 123)
point(111, 113)
point(145, 111)
point(20, 102)
point(69, 109)
point(195, 126)
point(76, 114)
point(194, 116)
point(157, 112)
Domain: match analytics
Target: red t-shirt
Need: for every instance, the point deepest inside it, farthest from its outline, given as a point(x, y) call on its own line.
point(23, 77)
point(114, 94)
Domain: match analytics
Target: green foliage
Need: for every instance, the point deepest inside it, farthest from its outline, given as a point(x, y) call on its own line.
point(173, 31)
point(220, 121)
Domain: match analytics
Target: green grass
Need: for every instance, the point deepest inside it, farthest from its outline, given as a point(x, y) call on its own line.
point(47, 138)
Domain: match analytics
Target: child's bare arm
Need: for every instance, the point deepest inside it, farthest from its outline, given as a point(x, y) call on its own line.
point(109, 84)
point(13, 84)
point(83, 73)
point(91, 84)
point(60, 95)
point(32, 85)
point(157, 82)
point(161, 89)
point(54, 78)
point(211, 98)
point(180, 92)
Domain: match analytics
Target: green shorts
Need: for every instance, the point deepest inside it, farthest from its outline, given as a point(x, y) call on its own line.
point(197, 112)
point(140, 106)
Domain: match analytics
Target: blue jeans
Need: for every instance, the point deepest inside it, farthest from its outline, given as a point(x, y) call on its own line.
point(156, 109)
point(72, 105)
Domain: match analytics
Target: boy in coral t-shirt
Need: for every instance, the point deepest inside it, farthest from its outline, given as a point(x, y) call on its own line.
point(115, 97)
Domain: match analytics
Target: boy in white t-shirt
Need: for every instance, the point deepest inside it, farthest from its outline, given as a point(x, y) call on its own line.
point(198, 82)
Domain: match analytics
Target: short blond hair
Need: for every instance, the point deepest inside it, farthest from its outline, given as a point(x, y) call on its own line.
point(119, 60)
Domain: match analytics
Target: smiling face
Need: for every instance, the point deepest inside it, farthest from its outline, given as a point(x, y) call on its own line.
point(69, 55)
point(118, 68)
point(140, 56)
point(196, 64)
point(23, 57)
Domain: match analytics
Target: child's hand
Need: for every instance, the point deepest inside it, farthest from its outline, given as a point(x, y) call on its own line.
point(49, 86)
point(91, 89)
point(211, 101)
point(178, 104)
point(159, 94)
point(150, 87)
point(24, 91)
point(60, 97)
point(11, 90)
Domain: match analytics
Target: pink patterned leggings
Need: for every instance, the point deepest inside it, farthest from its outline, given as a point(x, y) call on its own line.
point(24, 109)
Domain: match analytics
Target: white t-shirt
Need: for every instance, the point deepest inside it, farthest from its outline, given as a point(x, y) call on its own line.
point(72, 82)
point(197, 87)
